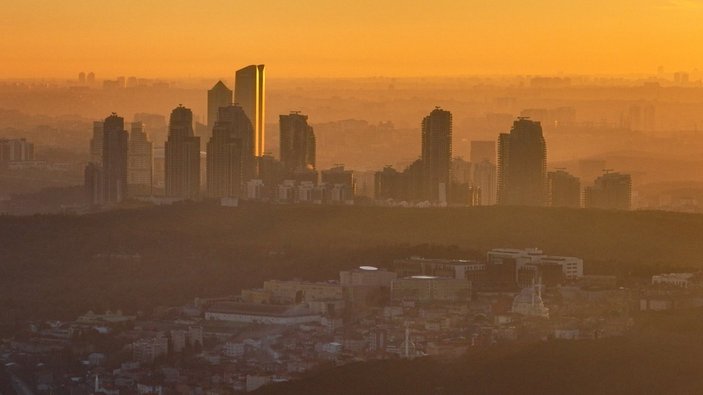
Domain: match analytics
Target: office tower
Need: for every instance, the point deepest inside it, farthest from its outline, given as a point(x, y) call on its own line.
point(182, 161)
point(81, 77)
point(93, 184)
point(219, 96)
point(437, 154)
point(140, 161)
point(229, 158)
point(483, 150)
point(522, 165)
point(388, 184)
point(115, 148)
point(16, 150)
point(484, 179)
point(610, 191)
point(338, 184)
point(564, 189)
point(96, 143)
point(90, 78)
point(297, 142)
point(249, 93)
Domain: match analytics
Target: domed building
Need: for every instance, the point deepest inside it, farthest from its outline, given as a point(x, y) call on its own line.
point(529, 302)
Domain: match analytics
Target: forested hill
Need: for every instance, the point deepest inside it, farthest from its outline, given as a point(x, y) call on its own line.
point(48, 264)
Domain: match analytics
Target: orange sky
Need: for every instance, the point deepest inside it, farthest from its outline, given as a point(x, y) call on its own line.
point(179, 38)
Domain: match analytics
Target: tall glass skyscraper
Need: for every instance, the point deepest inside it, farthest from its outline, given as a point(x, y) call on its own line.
point(249, 88)
point(522, 165)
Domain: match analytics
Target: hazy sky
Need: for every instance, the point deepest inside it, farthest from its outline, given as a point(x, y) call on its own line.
point(180, 38)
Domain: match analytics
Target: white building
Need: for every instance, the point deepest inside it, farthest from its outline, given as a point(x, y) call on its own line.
point(268, 314)
point(572, 267)
point(680, 280)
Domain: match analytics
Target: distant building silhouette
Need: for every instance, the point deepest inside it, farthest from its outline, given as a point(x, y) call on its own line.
point(93, 184)
point(437, 154)
point(610, 191)
point(249, 91)
point(115, 148)
point(483, 150)
point(337, 175)
point(182, 156)
point(140, 161)
point(564, 189)
point(297, 143)
point(16, 150)
point(485, 180)
point(522, 164)
point(219, 96)
point(230, 161)
point(96, 143)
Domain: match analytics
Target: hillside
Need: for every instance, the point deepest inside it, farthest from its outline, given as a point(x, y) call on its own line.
point(660, 357)
point(48, 269)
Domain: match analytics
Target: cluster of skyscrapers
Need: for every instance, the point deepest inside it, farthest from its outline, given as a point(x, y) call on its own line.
point(515, 175)
point(237, 166)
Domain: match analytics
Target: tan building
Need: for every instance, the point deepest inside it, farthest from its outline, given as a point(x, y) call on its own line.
point(431, 289)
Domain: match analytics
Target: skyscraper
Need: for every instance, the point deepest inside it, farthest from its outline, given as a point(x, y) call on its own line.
point(182, 156)
point(219, 96)
point(484, 178)
point(610, 191)
point(297, 142)
point(140, 161)
point(249, 93)
point(564, 189)
point(437, 154)
point(115, 148)
point(522, 165)
point(229, 158)
point(96, 143)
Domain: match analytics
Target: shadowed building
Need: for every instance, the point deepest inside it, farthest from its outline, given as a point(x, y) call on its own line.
point(115, 148)
point(140, 161)
point(249, 93)
point(522, 164)
point(564, 189)
point(96, 143)
point(610, 191)
point(297, 142)
point(437, 154)
point(229, 157)
point(219, 96)
point(182, 156)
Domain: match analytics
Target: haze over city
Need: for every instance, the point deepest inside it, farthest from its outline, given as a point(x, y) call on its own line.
point(394, 197)
point(317, 38)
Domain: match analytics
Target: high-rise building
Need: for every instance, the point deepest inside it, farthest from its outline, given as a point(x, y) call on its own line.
point(437, 154)
point(484, 178)
point(16, 150)
point(93, 184)
point(219, 96)
point(96, 143)
point(229, 157)
point(522, 165)
point(483, 150)
point(249, 91)
point(564, 189)
point(115, 148)
point(297, 142)
point(182, 162)
point(610, 191)
point(140, 161)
